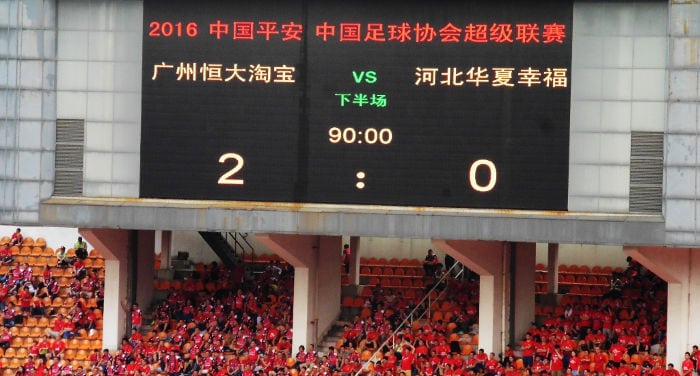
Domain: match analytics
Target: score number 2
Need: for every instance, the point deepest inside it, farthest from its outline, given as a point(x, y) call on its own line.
point(227, 178)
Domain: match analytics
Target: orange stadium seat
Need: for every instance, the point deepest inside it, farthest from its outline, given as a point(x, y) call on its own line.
point(37, 331)
point(17, 342)
point(10, 352)
point(96, 344)
point(5, 240)
point(48, 252)
point(28, 241)
point(16, 362)
point(40, 242)
point(81, 355)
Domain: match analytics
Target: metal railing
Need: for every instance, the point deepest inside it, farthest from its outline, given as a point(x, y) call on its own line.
point(416, 314)
point(239, 241)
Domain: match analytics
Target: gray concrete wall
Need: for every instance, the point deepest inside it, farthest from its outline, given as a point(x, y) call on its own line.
point(682, 180)
point(27, 107)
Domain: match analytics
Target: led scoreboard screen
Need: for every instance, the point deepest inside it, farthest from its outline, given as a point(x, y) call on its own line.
point(409, 103)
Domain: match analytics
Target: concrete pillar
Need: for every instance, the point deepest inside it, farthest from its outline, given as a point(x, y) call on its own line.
point(552, 268)
point(680, 267)
point(486, 258)
point(163, 245)
point(114, 246)
point(355, 260)
point(144, 269)
point(316, 261)
point(523, 288)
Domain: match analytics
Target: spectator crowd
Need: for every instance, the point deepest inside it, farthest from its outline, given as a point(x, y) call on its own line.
point(242, 326)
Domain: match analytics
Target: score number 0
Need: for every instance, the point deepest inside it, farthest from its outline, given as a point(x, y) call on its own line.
point(493, 176)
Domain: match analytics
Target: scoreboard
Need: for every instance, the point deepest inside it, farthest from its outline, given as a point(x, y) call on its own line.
point(409, 103)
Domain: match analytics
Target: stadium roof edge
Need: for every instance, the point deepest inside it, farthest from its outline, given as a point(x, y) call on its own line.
point(357, 220)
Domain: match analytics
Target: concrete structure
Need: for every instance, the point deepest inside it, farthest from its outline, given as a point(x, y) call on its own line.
point(635, 69)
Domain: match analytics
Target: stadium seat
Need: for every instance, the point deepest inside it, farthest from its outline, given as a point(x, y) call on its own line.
point(22, 353)
point(81, 354)
point(40, 242)
point(28, 241)
point(48, 252)
point(73, 343)
point(36, 332)
point(24, 331)
point(17, 342)
point(10, 352)
point(96, 344)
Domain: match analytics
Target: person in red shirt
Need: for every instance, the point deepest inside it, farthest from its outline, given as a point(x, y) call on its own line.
point(58, 347)
point(556, 362)
point(491, 364)
point(16, 237)
point(687, 366)
point(407, 358)
point(599, 360)
point(617, 352)
point(671, 371)
point(528, 348)
point(574, 364)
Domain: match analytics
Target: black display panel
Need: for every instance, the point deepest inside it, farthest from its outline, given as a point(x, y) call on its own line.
point(438, 104)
